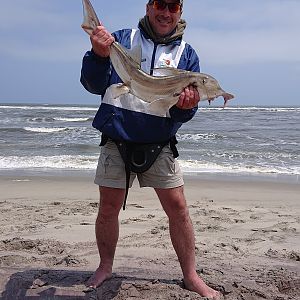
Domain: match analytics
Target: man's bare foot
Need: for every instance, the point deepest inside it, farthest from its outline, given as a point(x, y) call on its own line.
point(199, 286)
point(98, 278)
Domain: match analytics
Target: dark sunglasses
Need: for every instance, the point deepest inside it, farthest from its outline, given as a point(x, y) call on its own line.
point(161, 5)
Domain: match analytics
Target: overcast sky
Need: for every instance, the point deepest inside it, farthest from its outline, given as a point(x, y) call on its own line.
point(252, 47)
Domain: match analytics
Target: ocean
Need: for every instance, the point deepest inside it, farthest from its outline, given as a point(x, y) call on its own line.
point(236, 141)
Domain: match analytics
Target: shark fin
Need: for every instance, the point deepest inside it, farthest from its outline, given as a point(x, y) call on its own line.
point(90, 19)
point(136, 54)
point(118, 90)
point(167, 71)
point(161, 105)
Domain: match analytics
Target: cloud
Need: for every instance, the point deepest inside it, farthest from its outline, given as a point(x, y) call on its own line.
point(240, 32)
point(244, 14)
point(33, 15)
point(50, 30)
point(246, 46)
point(252, 47)
point(56, 49)
point(222, 32)
point(41, 31)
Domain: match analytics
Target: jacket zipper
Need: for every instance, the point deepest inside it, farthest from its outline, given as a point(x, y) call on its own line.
point(153, 59)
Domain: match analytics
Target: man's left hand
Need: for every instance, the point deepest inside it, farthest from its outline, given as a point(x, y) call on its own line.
point(188, 98)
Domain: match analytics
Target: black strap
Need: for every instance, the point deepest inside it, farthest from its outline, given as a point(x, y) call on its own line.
point(173, 143)
point(138, 158)
point(127, 175)
point(104, 139)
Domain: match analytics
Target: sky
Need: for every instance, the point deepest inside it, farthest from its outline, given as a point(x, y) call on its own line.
point(251, 47)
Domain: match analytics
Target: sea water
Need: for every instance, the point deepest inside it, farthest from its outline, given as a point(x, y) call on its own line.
point(235, 140)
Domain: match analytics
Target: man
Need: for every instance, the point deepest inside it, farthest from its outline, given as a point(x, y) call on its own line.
point(129, 119)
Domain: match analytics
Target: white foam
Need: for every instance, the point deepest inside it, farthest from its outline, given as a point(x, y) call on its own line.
point(45, 129)
point(46, 107)
point(194, 166)
point(82, 162)
point(72, 119)
point(86, 108)
point(21, 180)
point(51, 162)
point(253, 108)
point(198, 137)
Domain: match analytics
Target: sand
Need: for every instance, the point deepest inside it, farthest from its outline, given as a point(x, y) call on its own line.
point(247, 240)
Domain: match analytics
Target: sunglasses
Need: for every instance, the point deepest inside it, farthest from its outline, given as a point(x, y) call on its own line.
point(173, 7)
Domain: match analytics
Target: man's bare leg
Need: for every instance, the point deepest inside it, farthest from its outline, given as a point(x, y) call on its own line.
point(183, 239)
point(107, 233)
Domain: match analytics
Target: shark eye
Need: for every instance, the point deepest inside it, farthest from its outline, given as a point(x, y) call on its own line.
point(204, 80)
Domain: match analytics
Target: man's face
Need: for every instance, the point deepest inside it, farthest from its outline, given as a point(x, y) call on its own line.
point(163, 21)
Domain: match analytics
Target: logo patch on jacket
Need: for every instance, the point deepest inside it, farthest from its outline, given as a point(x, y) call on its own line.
point(165, 61)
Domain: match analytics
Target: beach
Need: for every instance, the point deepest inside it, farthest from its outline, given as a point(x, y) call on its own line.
point(247, 239)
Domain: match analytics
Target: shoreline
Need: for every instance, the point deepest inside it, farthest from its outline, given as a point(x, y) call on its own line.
point(220, 176)
point(244, 230)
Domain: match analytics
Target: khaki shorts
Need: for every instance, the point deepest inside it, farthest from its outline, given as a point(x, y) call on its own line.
point(165, 173)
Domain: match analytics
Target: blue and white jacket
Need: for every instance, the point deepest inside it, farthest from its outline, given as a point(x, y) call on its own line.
point(127, 117)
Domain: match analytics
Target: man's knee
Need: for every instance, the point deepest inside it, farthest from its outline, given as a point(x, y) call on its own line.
point(111, 201)
point(174, 203)
point(179, 211)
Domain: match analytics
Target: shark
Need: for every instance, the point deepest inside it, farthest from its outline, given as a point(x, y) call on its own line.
point(161, 92)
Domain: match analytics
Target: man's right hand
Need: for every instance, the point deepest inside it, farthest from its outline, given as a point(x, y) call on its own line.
point(101, 40)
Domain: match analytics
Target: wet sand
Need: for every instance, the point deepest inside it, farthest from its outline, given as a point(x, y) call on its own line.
point(247, 240)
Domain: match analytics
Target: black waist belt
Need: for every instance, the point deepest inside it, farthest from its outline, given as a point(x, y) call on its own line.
point(138, 158)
